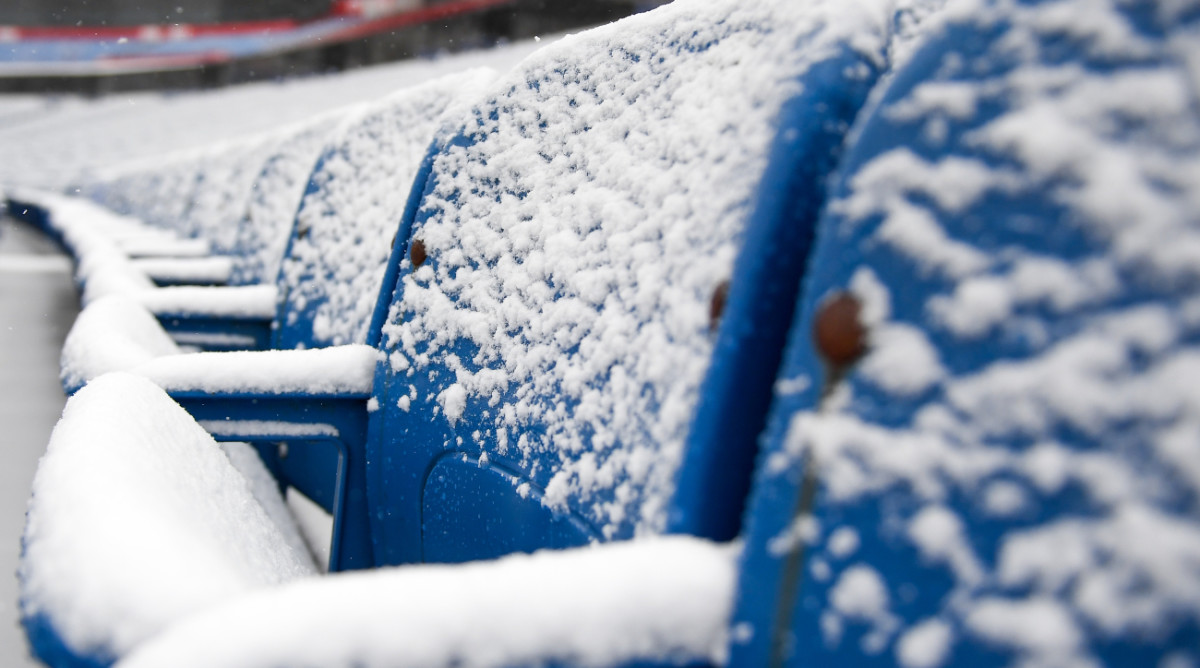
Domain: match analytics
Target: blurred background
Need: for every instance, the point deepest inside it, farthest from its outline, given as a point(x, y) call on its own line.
point(96, 47)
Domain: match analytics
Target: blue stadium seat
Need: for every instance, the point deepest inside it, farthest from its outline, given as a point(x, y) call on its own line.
point(592, 307)
point(1007, 475)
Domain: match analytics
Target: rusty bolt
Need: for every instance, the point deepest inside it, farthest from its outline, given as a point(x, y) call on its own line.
point(717, 306)
point(416, 253)
point(838, 332)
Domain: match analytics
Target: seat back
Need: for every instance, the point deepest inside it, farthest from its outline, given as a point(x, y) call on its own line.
point(1008, 475)
point(594, 297)
point(264, 230)
point(155, 191)
point(332, 272)
point(223, 188)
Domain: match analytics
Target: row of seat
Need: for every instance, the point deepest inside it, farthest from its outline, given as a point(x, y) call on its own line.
point(889, 308)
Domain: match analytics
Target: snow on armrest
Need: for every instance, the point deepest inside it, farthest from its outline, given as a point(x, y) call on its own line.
point(664, 599)
point(102, 268)
point(170, 246)
point(113, 333)
point(213, 270)
point(249, 301)
point(139, 519)
point(340, 370)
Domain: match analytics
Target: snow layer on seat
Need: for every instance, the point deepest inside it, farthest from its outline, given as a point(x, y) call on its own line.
point(661, 599)
point(1011, 475)
point(155, 190)
point(223, 188)
point(113, 333)
point(334, 267)
point(262, 234)
point(138, 519)
point(577, 229)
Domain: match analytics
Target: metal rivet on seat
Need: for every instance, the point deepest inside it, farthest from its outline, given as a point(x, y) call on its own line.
point(716, 306)
point(416, 253)
point(838, 332)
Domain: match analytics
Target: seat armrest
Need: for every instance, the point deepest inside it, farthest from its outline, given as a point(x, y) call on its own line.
point(344, 371)
point(212, 270)
point(248, 301)
point(655, 600)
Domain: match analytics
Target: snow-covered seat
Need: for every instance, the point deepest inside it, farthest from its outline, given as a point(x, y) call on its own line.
point(192, 247)
point(1009, 476)
point(600, 277)
point(253, 228)
point(215, 217)
point(129, 250)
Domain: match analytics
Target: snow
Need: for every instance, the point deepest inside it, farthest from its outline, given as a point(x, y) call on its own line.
point(350, 222)
point(264, 230)
point(925, 645)
point(214, 270)
point(1040, 624)
point(576, 236)
point(245, 301)
point(113, 333)
point(191, 532)
point(349, 216)
point(578, 273)
point(843, 542)
point(1036, 454)
point(340, 370)
point(901, 360)
point(664, 599)
point(860, 595)
point(315, 524)
point(940, 536)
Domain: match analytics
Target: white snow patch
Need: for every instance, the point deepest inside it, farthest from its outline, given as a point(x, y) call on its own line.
point(843, 542)
point(112, 334)
point(925, 645)
point(338, 370)
point(901, 360)
point(138, 520)
point(664, 599)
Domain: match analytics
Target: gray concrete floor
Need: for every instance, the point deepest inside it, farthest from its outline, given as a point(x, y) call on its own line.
point(38, 303)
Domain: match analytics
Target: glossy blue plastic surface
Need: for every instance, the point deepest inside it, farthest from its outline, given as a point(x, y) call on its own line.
point(786, 614)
